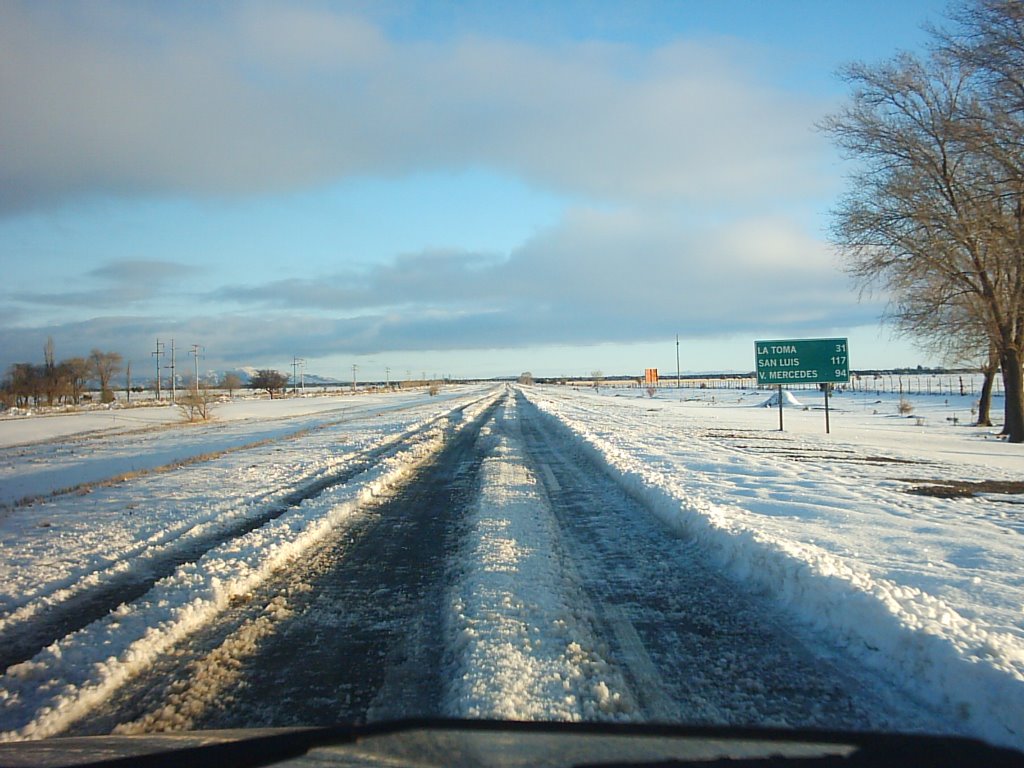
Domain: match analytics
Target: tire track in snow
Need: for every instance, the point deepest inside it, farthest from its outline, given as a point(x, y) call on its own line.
point(51, 616)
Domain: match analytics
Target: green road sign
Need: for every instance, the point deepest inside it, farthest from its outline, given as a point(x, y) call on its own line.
point(802, 361)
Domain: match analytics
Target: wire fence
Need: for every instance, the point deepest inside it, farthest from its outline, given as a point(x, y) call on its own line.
point(938, 384)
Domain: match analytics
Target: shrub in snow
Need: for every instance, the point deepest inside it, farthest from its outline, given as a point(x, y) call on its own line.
point(195, 404)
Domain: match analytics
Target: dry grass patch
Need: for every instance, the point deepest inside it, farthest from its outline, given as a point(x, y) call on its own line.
point(963, 489)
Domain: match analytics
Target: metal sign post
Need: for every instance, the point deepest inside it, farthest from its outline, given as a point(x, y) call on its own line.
point(826, 409)
point(780, 408)
point(802, 361)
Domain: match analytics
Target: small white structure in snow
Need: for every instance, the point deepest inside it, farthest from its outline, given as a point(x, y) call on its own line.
point(787, 399)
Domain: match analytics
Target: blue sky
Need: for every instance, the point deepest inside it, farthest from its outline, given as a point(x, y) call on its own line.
point(450, 188)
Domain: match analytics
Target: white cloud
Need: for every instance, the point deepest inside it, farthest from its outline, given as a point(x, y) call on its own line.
point(269, 98)
point(600, 274)
point(307, 39)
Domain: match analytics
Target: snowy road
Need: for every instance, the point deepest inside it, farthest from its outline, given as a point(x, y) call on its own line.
point(350, 633)
point(504, 574)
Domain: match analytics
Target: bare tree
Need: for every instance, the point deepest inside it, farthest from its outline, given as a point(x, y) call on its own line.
point(269, 380)
point(75, 371)
point(24, 384)
point(195, 404)
point(231, 382)
point(50, 378)
point(932, 216)
point(990, 40)
point(105, 365)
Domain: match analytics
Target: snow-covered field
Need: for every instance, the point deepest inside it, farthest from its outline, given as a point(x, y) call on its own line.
point(53, 451)
point(928, 591)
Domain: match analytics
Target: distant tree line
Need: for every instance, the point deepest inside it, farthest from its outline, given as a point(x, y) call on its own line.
point(55, 383)
point(67, 382)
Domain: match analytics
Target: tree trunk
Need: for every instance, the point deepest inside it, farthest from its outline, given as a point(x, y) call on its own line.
point(1013, 386)
point(985, 401)
point(988, 385)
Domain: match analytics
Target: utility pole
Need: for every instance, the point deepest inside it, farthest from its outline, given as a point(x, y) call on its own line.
point(158, 354)
point(678, 378)
point(354, 369)
point(387, 378)
point(174, 384)
point(195, 353)
point(296, 364)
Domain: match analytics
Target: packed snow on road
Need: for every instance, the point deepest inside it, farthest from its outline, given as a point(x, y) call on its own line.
point(622, 555)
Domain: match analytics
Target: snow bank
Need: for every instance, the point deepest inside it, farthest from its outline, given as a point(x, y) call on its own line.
point(922, 644)
point(788, 399)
